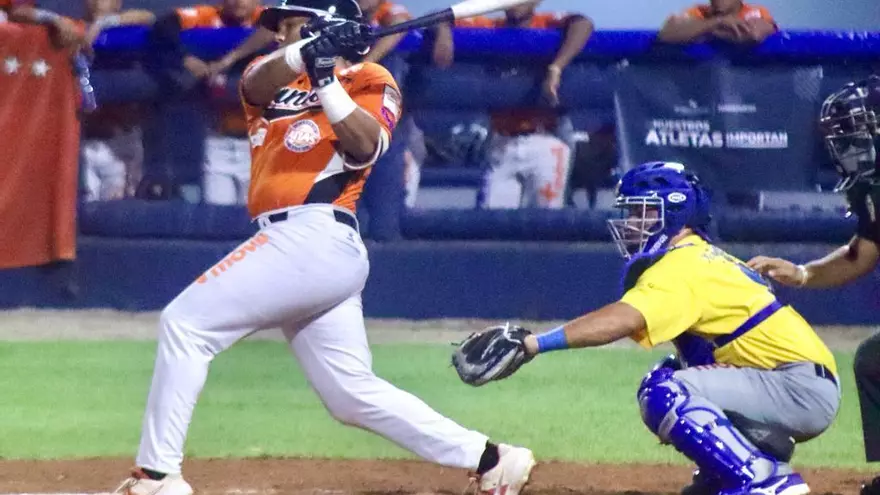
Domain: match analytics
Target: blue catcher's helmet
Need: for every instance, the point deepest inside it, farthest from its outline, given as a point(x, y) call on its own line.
point(657, 200)
point(850, 124)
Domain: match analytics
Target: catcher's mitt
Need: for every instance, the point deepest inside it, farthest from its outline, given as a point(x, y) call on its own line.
point(492, 354)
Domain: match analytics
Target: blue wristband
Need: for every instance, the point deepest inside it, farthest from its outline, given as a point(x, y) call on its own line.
point(553, 340)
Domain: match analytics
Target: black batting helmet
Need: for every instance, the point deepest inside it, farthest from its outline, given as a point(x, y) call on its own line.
point(346, 9)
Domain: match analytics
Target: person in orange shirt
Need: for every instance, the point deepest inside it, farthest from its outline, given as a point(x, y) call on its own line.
point(317, 124)
point(730, 20)
point(242, 13)
point(225, 171)
point(529, 164)
point(382, 13)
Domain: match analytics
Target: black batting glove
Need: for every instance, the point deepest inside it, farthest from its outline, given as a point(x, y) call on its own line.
point(335, 37)
point(319, 56)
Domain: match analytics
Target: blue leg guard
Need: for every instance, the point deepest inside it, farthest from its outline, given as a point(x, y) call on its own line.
point(700, 431)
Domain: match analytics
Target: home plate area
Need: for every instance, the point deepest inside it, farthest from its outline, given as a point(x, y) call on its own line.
point(373, 477)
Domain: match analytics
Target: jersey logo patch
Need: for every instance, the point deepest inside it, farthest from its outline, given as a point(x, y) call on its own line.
point(391, 106)
point(302, 136)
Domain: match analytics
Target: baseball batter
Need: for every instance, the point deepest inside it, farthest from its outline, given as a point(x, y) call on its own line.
point(751, 377)
point(317, 124)
point(851, 131)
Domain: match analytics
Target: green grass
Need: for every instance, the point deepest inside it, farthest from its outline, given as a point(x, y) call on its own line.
point(86, 399)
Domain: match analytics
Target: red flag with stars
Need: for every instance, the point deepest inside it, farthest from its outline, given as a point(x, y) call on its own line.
point(39, 148)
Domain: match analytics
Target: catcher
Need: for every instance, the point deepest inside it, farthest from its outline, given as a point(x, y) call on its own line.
point(750, 377)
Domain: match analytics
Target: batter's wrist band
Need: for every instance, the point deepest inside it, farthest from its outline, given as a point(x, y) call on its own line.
point(42, 16)
point(336, 102)
point(554, 340)
point(293, 56)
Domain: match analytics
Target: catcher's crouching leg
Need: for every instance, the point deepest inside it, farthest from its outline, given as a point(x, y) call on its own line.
point(701, 431)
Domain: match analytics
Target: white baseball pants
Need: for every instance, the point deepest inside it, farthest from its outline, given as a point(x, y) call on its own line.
point(527, 171)
point(226, 173)
point(305, 275)
point(110, 164)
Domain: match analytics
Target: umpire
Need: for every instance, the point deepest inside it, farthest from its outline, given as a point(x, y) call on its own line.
point(850, 127)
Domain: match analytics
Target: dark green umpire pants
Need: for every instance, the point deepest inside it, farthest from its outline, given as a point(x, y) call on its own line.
point(867, 371)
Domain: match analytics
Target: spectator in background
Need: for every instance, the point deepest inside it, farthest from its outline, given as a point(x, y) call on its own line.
point(528, 163)
point(103, 14)
point(65, 32)
point(730, 20)
point(382, 13)
point(112, 146)
point(226, 166)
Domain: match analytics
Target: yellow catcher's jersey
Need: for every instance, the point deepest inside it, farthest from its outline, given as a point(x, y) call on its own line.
point(699, 289)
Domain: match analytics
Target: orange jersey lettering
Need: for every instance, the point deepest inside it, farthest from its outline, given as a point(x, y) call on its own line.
point(295, 155)
point(211, 16)
point(747, 12)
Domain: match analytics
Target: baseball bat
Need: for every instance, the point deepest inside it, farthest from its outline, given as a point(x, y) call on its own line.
point(461, 10)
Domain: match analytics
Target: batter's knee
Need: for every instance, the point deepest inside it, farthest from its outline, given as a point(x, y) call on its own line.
point(866, 364)
point(176, 333)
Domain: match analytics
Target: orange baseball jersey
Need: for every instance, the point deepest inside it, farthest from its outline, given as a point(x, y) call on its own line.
point(386, 12)
point(210, 16)
point(516, 121)
point(747, 12)
point(295, 155)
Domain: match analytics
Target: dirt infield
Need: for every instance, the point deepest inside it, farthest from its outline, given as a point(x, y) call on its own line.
point(322, 477)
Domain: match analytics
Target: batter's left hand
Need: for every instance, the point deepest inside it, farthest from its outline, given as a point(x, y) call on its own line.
point(319, 56)
point(551, 85)
point(349, 37)
point(335, 38)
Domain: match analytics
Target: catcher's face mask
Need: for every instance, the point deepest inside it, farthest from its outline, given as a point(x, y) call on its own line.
point(641, 221)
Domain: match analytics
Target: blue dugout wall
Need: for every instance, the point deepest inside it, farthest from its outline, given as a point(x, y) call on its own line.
point(137, 255)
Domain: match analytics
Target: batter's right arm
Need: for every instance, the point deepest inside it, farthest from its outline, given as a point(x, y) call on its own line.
point(842, 266)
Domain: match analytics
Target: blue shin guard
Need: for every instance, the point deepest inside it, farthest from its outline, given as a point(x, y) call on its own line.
point(700, 431)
